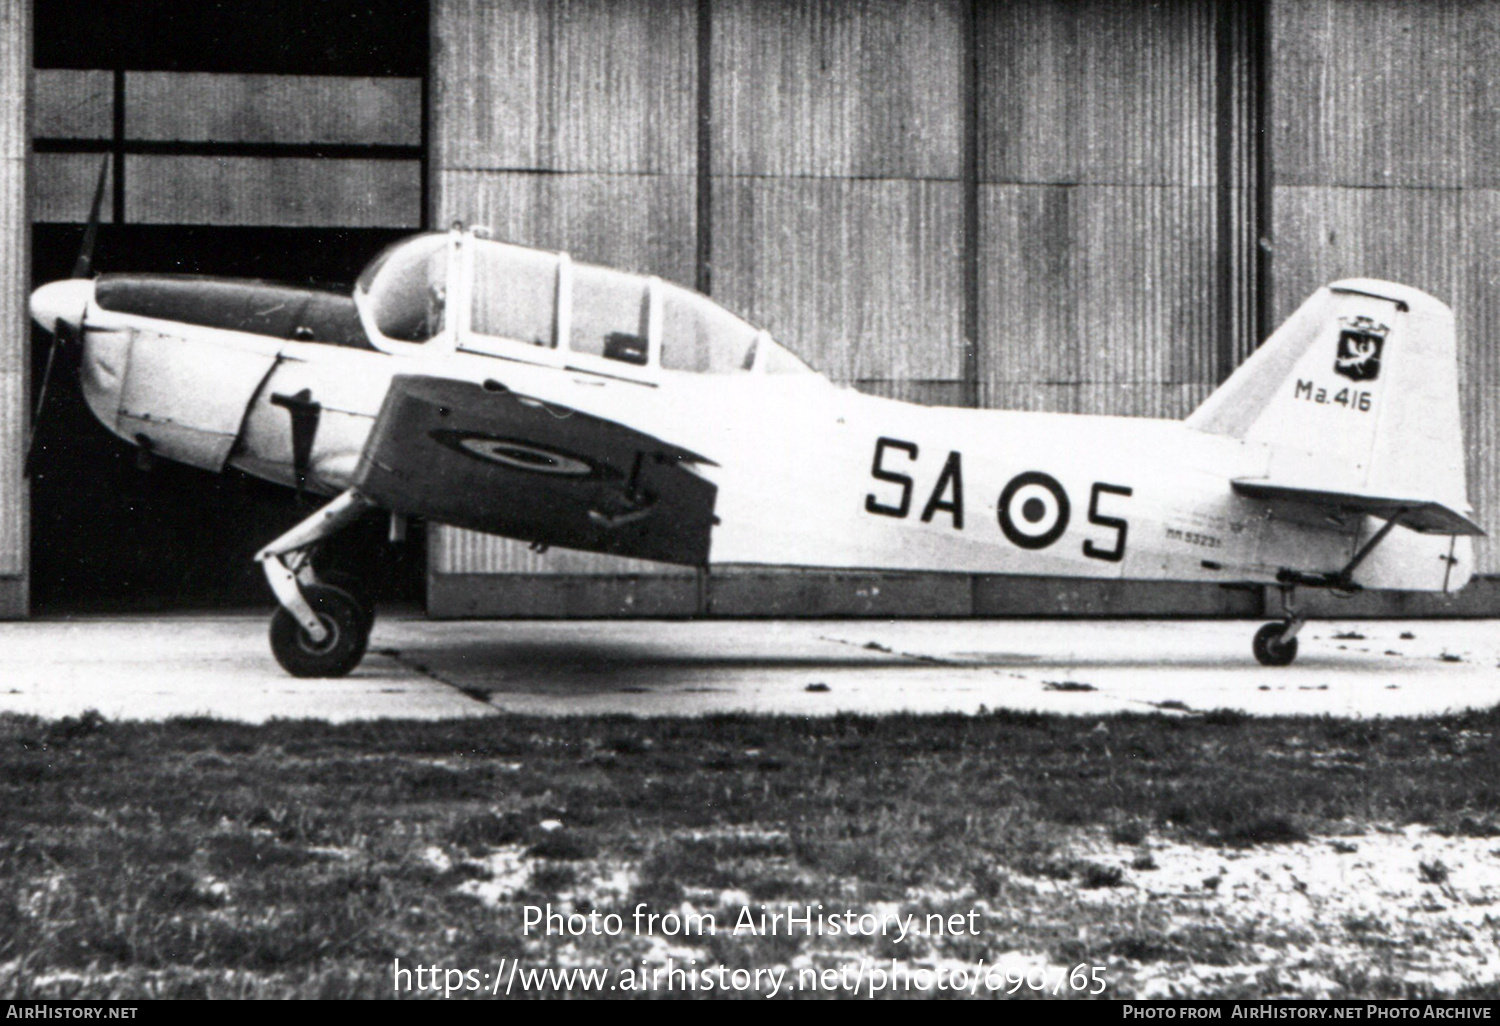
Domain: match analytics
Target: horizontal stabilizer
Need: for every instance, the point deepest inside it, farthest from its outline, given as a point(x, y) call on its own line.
point(1422, 515)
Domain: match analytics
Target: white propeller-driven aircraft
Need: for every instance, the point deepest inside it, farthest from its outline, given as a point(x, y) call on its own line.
point(513, 391)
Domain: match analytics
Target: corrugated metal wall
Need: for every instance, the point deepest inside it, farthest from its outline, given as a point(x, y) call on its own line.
point(15, 280)
point(838, 213)
point(572, 126)
point(1385, 131)
point(836, 164)
point(1114, 227)
point(1039, 205)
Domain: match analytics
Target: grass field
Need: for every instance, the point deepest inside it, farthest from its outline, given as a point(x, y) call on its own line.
point(1207, 855)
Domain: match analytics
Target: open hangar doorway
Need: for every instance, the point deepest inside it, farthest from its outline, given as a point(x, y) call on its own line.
point(276, 141)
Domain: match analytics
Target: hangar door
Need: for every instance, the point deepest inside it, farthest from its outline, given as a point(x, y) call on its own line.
point(268, 140)
point(1032, 204)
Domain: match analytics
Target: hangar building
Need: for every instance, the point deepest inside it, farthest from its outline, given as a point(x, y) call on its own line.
point(1076, 205)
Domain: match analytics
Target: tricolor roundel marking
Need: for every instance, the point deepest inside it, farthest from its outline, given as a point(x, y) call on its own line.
point(1033, 510)
point(519, 455)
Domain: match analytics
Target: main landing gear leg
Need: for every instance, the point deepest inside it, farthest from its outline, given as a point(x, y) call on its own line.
point(1276, 643)
point(323, 624)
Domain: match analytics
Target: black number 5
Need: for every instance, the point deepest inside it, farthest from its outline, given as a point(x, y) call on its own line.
point(1112, 555)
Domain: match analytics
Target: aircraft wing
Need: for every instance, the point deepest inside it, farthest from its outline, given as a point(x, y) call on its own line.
point(1423, 515)
point(488, 459)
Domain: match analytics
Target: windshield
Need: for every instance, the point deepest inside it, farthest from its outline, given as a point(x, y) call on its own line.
point(404, 287)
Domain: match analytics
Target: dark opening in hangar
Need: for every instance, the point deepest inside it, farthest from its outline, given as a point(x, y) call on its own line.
point(281, 142)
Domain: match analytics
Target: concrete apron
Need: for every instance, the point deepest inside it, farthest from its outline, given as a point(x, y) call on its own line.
point(159, 667)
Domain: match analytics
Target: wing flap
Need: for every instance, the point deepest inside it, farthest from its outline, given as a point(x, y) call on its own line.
point(1423, 515)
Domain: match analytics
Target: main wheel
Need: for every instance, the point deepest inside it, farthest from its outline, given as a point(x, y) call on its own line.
point(356, 589)
point(1270, 650)
point(336, 654)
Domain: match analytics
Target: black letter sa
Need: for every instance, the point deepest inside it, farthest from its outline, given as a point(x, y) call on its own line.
point(881, 474)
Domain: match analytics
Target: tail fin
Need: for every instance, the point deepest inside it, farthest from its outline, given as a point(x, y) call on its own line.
point(1357, 392)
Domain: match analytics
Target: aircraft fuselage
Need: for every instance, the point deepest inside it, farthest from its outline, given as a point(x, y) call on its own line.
point(808, 474)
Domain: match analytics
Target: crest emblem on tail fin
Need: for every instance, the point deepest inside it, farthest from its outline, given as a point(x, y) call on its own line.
point(1360, 343)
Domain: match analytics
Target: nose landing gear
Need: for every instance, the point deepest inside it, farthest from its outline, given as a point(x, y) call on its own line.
point(322, 627)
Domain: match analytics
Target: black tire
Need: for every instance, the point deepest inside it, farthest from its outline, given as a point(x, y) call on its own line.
point(1270, 650)
point(339, 653)
point(356, 589)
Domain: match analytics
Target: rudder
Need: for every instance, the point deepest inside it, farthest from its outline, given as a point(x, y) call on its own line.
point(1356, 392)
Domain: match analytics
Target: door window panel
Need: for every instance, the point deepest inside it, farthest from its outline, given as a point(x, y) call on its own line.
point(515, 293)
point(700, 335)
point(610, 314)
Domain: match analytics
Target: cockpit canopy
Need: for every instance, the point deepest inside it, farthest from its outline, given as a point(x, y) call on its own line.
point(489, 296)
point(402, 291)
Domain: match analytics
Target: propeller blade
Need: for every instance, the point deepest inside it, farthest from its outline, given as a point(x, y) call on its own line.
point(84, 266)
point(62, 336)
